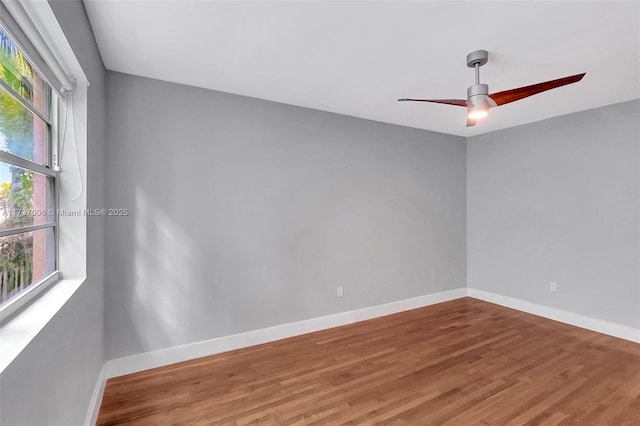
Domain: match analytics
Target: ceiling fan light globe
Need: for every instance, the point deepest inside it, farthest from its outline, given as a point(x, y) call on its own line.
point(477, 113)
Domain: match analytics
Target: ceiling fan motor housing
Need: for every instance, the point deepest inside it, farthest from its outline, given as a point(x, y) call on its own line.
point(477, 96)
point(477, 89)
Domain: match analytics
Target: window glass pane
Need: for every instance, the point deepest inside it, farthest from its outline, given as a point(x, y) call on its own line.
point(21, 75)
point(22, 133)
point(26, 197)
point(25, 259)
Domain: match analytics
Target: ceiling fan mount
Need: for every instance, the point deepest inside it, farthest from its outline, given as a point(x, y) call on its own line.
point(479, 101)
point(477, 58)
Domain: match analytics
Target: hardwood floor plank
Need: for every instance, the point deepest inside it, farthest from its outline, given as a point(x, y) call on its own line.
point(462, 362)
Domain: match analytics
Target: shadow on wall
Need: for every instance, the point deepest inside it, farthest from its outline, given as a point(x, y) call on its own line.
point(163, 282)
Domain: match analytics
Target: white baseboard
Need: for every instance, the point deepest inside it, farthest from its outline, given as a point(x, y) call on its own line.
point(594, 324)
point(131, 364)
point(96, 398)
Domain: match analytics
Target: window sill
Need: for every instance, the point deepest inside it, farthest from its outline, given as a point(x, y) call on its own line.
point(17, 332)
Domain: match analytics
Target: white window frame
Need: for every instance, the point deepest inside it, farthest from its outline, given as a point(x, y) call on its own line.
point(17, 329)
point(13, 305)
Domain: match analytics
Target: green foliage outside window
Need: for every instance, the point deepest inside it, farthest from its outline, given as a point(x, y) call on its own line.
point(16, 136)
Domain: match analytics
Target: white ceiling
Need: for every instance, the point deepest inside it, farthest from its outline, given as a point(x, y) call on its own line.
point(358, 57)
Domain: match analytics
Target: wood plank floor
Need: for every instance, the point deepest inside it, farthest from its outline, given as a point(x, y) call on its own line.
point(464, 362)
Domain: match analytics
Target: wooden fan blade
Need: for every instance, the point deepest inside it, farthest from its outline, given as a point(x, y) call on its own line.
point(457, 102)
point(512, 95)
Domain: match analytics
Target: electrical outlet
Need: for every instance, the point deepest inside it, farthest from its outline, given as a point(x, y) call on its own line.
point(339, 291)
point(553, 287)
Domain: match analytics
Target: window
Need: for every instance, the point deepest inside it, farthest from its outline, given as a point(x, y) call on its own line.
point(28, 182)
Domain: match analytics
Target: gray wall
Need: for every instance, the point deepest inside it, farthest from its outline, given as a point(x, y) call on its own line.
point(51, 382)
point(247, 214)
point(559, 200)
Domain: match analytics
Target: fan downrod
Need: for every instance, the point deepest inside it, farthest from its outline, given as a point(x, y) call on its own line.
point(477, 57)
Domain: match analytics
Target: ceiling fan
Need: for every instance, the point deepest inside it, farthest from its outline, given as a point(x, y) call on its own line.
point(478, 98)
